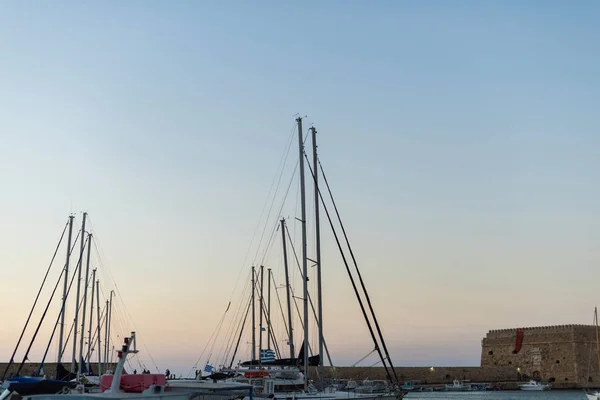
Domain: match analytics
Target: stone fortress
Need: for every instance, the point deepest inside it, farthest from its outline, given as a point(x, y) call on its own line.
point(565, 355)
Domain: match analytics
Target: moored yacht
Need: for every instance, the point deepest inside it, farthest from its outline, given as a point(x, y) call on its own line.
point(535, 386)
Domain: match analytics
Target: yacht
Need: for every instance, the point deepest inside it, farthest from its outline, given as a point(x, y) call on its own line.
point(535, 386)
point(459, 386)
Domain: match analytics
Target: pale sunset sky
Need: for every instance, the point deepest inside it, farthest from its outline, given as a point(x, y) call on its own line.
point(460, 139)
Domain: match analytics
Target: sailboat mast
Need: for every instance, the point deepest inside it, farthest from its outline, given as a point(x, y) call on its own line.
point(80, 263)
point(269, 309)
point(89, 350)
point(597, 335)
point(318, 248)
point(287, 291)
point(99, 327)
point(64, 298)
point(106, 338)
point(253, 316)
point(304, 263)
point(107, 344)
point(85, 290)
point(261, 305)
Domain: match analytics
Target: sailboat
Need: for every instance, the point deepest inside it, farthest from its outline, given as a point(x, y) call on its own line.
point(265, 374)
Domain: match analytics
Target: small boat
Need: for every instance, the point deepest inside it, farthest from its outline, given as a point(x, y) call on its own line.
point(535, 386)
point(459, 386)
point(593, 396)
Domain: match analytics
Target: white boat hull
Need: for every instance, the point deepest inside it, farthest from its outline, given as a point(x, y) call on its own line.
point(593, 396)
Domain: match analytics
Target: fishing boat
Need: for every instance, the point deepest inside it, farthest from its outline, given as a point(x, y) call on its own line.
point(534, 386)
point(459, 386)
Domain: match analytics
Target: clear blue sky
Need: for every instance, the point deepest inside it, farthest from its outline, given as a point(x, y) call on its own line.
point(461, 138)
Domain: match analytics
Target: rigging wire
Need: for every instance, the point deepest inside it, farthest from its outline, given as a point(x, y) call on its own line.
point(66, 294)
point(258, 223)
point(362, 283)
point(101, 257)
point(42, 319)
point(356, 292)
point(274, 196)
point(362, 359)
point(12, 357)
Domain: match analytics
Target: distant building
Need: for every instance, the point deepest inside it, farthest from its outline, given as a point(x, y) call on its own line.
point(566, 355)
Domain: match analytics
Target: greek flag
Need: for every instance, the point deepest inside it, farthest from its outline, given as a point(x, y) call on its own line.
point(208, 368)
point(267, 355)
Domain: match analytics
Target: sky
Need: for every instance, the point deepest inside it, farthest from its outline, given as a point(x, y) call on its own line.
point(459, 139)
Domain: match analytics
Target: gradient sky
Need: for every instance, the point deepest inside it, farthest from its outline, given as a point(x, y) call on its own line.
point(460, 139)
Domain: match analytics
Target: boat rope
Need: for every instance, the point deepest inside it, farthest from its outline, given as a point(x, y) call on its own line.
point(356, 292)
point(280, 306)
point(72, 325)
point(362, 359)
point(362, 283)
point(218, 331)
point(291, 137)
point(67, 294)
point(241, 332)
point(210, 340)
point(268, 218)
point(12, 357)
point(101, 257)
point(312, 306)
point(234, 325)
point(60, 313)
point(276, 225)
point(270, 331)
point(42, 319)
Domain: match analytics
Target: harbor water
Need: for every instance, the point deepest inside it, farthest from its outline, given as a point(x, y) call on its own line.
point(500, 395)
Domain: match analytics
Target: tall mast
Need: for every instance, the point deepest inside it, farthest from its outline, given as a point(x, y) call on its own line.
point(304, 265)
point(287, 291)
point(318, 245)
point(253, 317)
point(89, 350)
point(99, 349)
point(85, 290)
point(64, 298)
point(269, 309)
point(105, 353)
point(80, 263)
point(261, 305)
point(597, 335)
point(109, 323)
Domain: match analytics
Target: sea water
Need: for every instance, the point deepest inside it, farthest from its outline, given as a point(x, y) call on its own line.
point(500, 395)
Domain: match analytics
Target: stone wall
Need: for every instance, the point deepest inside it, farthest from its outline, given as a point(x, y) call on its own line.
point(426, 375)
